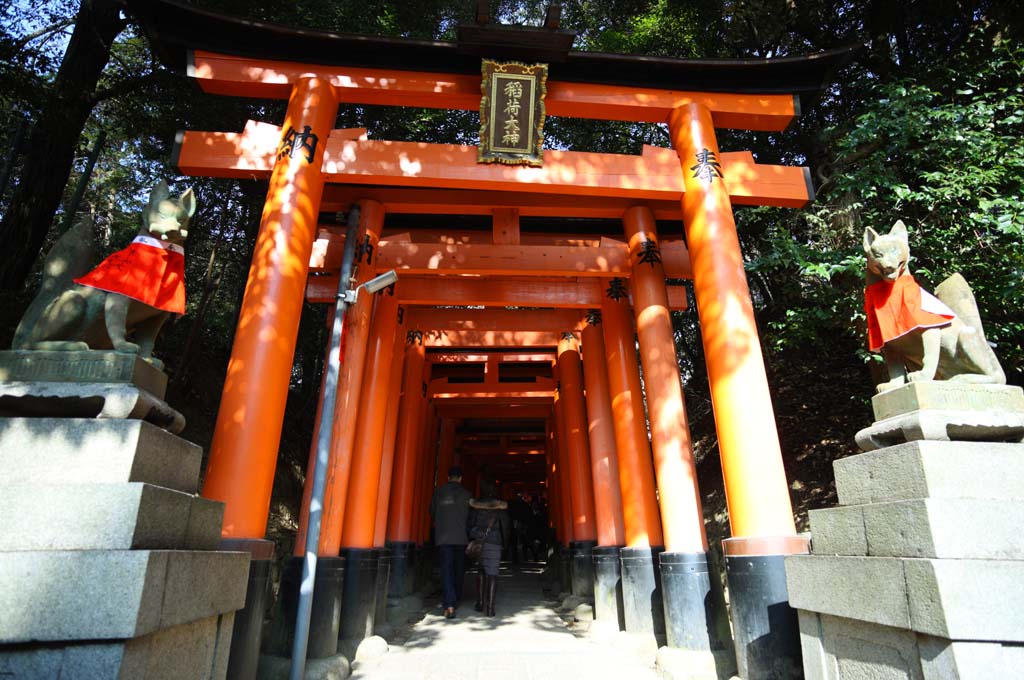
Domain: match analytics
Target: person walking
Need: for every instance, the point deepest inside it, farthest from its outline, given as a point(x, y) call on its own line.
point(489, 521)
point(449, 509)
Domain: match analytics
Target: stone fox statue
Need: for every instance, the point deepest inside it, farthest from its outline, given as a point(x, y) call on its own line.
point(121, 303)
point(931, 336)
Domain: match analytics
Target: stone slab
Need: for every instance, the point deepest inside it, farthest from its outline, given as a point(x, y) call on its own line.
point(838, 531)
point(197, 650)
point(862, 588)
point(835, 648)
point(930, 469)
point(950, 660)
point(981, 600)
point(116, 594)
point(944, 395)
point(205, 520)
point(943, 425)
point(93, 517)
point(88, 451)
point(87, 400)
point(100, 366)
point(954, 528)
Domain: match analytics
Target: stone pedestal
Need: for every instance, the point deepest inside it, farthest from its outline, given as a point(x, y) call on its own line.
point(917, 574)
point(108, 560)
point(86, 384)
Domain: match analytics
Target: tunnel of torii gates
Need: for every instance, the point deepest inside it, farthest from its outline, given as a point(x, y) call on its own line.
point(510, 343)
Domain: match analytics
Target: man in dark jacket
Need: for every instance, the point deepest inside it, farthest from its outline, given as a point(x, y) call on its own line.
point(449, 508)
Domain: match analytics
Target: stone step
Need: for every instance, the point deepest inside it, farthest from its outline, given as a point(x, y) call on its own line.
point(107, 517)
point(867, 651)
point(979, 600)
point(86, 450)
point(957, 528)
point(932, 469)
point(197, 650)
point(114, 594)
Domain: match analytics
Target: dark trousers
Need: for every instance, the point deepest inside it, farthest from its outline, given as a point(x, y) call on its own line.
point(452, 559)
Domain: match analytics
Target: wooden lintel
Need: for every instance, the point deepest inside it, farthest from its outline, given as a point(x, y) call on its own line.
point(433, 338)
point(553, 320)
point(499, 451)
point(654, 175)
point(246, 77)
point(607, 260)
point(483, 356)
point(415, 258)
point(400, 200)
point(444, 389)
point(500, 401)
point(451, 408)
point(489, 292)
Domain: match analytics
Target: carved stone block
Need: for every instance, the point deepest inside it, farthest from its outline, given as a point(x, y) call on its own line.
point(91, 366)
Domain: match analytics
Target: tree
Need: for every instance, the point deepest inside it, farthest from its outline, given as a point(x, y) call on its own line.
point(51, 145)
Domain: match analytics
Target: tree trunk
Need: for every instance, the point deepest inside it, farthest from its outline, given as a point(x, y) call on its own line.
point(54, 138)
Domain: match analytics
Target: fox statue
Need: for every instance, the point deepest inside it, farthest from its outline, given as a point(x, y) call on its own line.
point(921, 336)
point(122, 303)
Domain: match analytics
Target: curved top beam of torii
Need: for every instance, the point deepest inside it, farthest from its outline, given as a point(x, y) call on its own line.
point(180, 33)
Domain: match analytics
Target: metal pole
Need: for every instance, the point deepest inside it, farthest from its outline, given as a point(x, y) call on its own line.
point(83, 181)
point(323, 445)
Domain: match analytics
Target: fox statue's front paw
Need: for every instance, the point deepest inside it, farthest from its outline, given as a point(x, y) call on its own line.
point(126, 347)
point(155, 363)
point(920, 376)
point(891, 385)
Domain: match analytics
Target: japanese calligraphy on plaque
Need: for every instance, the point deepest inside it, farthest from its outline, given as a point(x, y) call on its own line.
point(512, 113)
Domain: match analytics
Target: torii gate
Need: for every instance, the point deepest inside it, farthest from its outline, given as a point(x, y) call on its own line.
point(598, 459)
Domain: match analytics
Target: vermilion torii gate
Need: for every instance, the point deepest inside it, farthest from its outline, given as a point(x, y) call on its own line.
point(420, 385)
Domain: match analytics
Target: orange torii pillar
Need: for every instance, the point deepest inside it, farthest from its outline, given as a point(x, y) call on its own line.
point(563, 491)
point(400, 536)
point(358, 601)
point(760, 512)
point(445, 451)
point(428, 461)
point(694, 614)
point(387, 466)
point(642, 610)
point(243, 454)
point(604, 470)
point(577, 444)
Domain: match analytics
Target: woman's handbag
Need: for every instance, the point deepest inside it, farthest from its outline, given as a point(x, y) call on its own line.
point(475, 548)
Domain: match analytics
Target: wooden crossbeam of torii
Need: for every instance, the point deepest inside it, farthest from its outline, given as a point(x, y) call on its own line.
point(242, 76)
point(448, 408)
point(607, 260)
point(494, 320)
point(654, 175)
point(490, 292)
point(506, 339)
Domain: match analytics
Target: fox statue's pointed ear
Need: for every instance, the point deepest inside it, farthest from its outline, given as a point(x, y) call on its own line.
point(188, 202)
point(161, 192)
point(869, 237)
point(899, 230)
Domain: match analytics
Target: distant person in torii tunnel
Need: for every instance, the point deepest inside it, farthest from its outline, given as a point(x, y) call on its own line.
point(449, 509)
point(489, 522)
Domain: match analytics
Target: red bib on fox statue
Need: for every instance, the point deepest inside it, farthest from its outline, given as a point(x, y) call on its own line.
point(895, 308)
point(148, 270)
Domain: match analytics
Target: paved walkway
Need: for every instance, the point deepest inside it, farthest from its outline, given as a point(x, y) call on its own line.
point(525, 641)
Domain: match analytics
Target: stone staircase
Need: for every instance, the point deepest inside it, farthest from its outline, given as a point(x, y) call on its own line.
point(919, 573)
point(109, 565)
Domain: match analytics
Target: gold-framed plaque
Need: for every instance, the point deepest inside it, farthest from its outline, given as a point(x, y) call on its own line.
point(512, 113)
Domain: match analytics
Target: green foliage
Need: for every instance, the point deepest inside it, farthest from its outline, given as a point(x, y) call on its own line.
point(943, 153)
